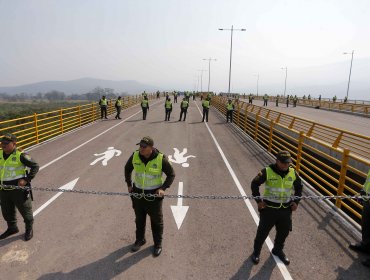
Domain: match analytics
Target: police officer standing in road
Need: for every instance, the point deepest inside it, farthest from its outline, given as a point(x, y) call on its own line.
point(229, 111)
point(148, 164)
point(276, 207)
point(364, 245)
point(184, 105)
point(205, 104)
point(265, 99)
point(145, 106)
point(103, 107)
point(118, 106)
point(168, 109)
point(13, 172)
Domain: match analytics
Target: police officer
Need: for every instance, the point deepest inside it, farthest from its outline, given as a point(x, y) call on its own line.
point(277, 101)
point(145, 106)
point(103, 107)
point(184, 105)
point(13, 172)
point(265, 99)
point(364, 245)
point(250, 98)
point(118, 106)
point(168, 108)
point(276, 208)
point(206, 104)
point(229, 111)
point(148, 164)
point(175, 97)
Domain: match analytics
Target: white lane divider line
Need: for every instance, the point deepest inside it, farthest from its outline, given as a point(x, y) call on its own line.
point(283, 269)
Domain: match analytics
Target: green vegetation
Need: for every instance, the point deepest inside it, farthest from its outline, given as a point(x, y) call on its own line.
point(14, 110)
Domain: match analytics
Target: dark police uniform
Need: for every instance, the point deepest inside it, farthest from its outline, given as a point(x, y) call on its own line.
point(13, 168)
point(103, 107)
point(278, 211)
point(145, 106)
point(205, 104)
point(184, 105)
point(156, 163)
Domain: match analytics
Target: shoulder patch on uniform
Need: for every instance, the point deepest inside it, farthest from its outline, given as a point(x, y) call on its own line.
point(26, 156)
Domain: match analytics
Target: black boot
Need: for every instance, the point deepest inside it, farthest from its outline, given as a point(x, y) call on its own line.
point(9, 232)
point(28, 235)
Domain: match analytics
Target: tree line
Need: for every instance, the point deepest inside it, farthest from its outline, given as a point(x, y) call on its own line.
point(55, 95)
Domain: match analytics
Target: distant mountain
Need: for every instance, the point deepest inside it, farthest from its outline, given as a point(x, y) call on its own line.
point(80, 86)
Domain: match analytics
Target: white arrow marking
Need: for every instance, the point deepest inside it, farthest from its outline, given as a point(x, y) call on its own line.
point(179, 211)
point(68, 186)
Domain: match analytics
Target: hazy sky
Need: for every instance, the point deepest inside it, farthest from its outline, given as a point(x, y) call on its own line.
point(163, 42)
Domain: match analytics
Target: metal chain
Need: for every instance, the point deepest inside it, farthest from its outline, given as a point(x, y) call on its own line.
point(214, 197)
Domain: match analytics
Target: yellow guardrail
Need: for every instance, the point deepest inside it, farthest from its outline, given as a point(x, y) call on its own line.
point(363, 109)
point(34, 129)
point(333, 161)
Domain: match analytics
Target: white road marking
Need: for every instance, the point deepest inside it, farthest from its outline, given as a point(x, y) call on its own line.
point(68, 186)
point(88, 141)
point(107, 155)
point(280, 264)
point(179, 158)
point(179, 211)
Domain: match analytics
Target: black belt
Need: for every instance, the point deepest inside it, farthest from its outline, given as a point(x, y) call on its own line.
point(275, 204)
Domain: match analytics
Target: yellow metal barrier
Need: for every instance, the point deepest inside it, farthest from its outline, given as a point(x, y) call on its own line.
point(333, 161)
point(34, 129)
point(363, 109)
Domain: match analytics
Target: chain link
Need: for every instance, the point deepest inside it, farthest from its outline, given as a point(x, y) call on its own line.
point(209, 197)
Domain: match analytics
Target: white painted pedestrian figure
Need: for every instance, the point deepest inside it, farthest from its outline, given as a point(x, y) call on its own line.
point(179, 158)
point(107, 155)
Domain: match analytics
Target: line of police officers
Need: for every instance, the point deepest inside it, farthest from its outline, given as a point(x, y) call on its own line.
point(275, 206)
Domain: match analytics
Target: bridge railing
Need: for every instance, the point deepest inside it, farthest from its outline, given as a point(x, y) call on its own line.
point(36, 128)
point(360, 107)
point(333, 161)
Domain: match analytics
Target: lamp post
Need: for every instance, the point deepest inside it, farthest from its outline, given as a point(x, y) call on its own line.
point(350, 71)
point(286, 76)
point(231, 49)
point(209, 69)
point(258, 77)
point(201, 79)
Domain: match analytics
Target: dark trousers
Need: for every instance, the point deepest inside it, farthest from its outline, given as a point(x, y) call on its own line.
point(168, 114)
point(118, 115)
point(175, 99)
point(264, 102)
point(250, 101)
point(183, 111)
point(277, 103)
point(153, 208)
point(269, 217)
point(366, 225)
point(16, 199)
point(205, 114)
point(287, 103)
point(103, 112)
point(145, 110)
point(193, 97)
point(229, 115)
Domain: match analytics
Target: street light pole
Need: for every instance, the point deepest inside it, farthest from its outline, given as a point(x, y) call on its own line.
point(201, 79)
point(350, 71)
point(209, 70)
point(258, 77)
point(231, 49)
point(286, 76)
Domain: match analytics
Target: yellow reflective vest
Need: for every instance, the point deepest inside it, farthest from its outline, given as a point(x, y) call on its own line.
point(103, 102)
point(206, 104)
point(149, 176)
point(144, 103)
point(168, 104)
point(12, 168)
point(229, 106)
point(118, 103)
point(280, 189)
